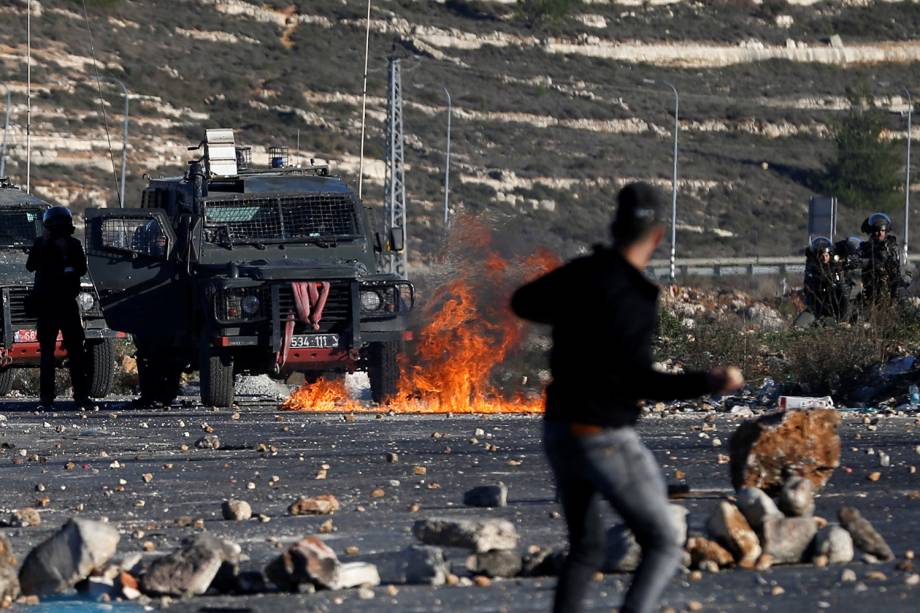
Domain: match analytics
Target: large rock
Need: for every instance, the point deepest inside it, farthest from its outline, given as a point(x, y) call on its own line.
point(835, 543)
point(623, 552)
point(479, 535)
point(323, 504)
point(728, 526)
point(864, 535)
point(496, 563)
point(9, 581)
point(766, 451)
point(797, 498)
point(786, 540)
point(198, 564)
point(68, 556)
point(703, 550)
point(756, 506)
point(425, 565)
point(489, 496)
point(311, 563)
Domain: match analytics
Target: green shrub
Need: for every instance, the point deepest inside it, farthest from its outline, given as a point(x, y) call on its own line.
point(540, 11)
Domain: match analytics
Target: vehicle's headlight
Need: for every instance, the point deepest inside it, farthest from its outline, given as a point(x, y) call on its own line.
point(370, 300)
point(86, 301)
point(251, 305)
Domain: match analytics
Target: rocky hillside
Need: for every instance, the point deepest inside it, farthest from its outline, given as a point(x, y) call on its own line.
point(548, 119)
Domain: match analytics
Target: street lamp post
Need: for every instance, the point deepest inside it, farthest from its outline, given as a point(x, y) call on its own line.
point(124, 139)
point(447, 165)
point(367, 47)
point(910, 108)
point(6, 129)
point(673, 178)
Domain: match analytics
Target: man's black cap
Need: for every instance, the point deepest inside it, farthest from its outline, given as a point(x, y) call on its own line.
point(639, 209)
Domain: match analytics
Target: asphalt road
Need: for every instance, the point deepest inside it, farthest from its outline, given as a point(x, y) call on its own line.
point(35, 448)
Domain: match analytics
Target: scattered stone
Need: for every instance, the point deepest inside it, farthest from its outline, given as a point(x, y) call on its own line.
point(208, 441)
point(797, 498)
point(756, 506)
point(703, 550)
point(864, 535)
point(764, 562)
point(728, 526)
point(308, 561)
point(481, 581)
point(766, 450)
point(9, 581)
point(497, 563)
point(392, 457)
point(200, 562)
point(787, 539)
point(425, 565)
point(478, 535)
point(23, 518)
point(543, 563)
point(378, 493)
point(323, 504)
point(356, 574)
point(68, 556)
point(835, 543)
point(874, 476)
point(487, 496)
point(236, 510)
point(848, 575)
point(876, 575)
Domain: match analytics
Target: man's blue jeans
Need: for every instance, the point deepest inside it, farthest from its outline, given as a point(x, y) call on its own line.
point(612, 464)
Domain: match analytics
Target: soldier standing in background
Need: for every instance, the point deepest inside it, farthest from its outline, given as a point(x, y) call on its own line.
point(881, 267)
point(603, 313)
point(58, 261)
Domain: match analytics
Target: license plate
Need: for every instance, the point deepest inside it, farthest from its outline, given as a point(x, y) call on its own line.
point(314, 341)
point(25, 336)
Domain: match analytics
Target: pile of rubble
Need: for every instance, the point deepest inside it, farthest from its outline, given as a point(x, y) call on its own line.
point(692, 305)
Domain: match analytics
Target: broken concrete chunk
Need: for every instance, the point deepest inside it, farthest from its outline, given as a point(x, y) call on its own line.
point(703, 551)
point(756, 506)
point(765, 451)
point(323, 504)
point(835, 543)
point(23, 518)
point(498, 563)
point(786, 540)
point(544, 563)
point(864, 535)
point(236, 510)
point(208, 441)
point(425, 565)
point(728, 526)
point(200, 563)
point(797, 498)
point(356, 574)
point(478, 535)
point(308, 561)
point(487, 496)
point(68, 556)
point(9, 581)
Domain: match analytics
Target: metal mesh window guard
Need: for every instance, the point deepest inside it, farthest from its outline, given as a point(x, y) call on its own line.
point(19, 227)
point(141, 235)
point(283, 218)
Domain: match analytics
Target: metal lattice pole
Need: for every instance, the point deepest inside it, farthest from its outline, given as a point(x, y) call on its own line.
point(910, 108)
point(6, 129)
point(447, 165)
point(395, 183)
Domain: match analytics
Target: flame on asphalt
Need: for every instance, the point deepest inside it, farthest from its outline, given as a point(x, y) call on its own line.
point(468, 331)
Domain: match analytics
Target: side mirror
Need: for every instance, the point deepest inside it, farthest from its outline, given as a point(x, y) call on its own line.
point(396, 240)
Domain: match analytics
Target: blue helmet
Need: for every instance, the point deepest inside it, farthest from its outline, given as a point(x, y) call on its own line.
point(58, 217)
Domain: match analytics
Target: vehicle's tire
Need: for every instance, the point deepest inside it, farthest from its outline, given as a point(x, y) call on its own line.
point(383, 370)
point(6, 380)
point(100, 362)
point(216, 375)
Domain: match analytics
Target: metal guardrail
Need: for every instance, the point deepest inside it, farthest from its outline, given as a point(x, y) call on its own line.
point(719, 267)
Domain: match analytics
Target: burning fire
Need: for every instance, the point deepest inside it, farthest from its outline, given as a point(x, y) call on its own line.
point(469, 331)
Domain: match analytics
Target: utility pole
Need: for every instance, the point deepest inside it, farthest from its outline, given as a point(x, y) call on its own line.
point(447, 166)
point(367, 47)
point(395, 181)
point(6, 129)
point(673, 178)
point(29, 98)
point(910, 109)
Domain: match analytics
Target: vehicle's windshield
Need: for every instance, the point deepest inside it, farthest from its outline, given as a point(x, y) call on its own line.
point(19, 227)
point(300, 218)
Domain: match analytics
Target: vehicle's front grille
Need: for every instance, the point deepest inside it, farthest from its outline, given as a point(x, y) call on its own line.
point(20, 317)
point(282, 218)
point(336, 314)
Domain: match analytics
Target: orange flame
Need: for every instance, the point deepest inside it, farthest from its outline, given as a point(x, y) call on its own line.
point(470, 331)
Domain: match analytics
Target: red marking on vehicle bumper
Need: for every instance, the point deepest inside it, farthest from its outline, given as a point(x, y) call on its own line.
point(408, 335)
point(30, 352)
point(316, 359)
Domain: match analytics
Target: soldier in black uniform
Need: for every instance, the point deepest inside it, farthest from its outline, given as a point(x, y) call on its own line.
point(603, 313)
point(58, 261)
point(825, 282)
point(881, 265)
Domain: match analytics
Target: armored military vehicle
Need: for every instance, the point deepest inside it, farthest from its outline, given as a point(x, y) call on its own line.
point(20, 224)
point(230, 269)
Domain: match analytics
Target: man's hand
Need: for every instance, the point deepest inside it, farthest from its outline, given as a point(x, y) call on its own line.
point(725, 379)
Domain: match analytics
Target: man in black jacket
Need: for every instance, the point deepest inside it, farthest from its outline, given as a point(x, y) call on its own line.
point(58, 261)
point(603, 313)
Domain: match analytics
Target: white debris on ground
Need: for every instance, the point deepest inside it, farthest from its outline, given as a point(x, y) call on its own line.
point(263, 386)
point(358, 386)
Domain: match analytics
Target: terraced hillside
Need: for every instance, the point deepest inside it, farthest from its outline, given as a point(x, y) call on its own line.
point(548, 119)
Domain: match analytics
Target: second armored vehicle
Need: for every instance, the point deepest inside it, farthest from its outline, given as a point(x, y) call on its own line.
point(230, 270)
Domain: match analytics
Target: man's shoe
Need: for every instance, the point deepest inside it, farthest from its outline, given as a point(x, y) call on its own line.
point(86, 404)
point(145, 403)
